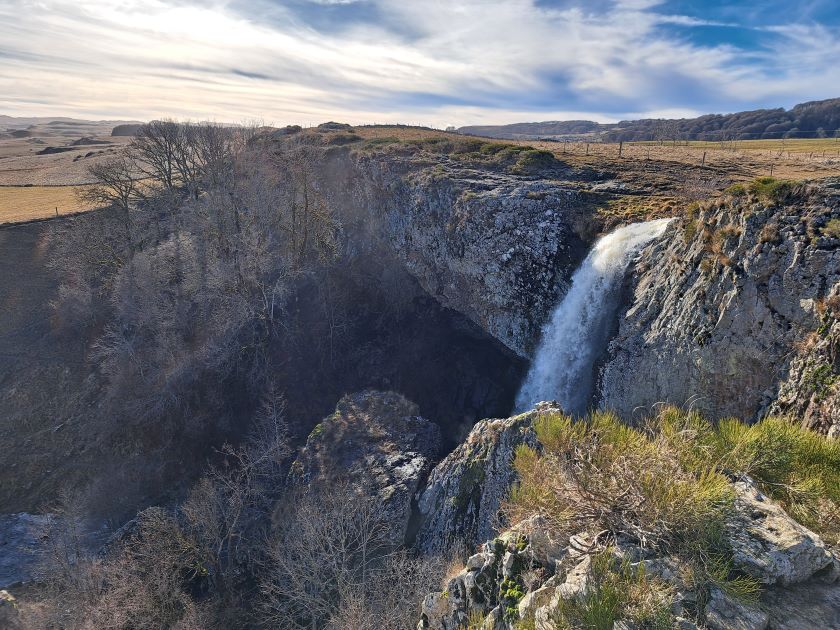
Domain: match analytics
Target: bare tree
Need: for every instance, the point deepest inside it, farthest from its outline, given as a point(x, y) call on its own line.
point(328, 545)
point(392, 596)
point(307, 218)
point(115, 185)
point(156, 146)
point(221, 509)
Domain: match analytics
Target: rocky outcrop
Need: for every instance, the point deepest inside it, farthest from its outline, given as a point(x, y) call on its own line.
point(520, 576)
point(378, 442)
point(718, 306)
point(462, 496)
point(497, 247)
point(812, 389)
point(810, 605)
point(532, 573)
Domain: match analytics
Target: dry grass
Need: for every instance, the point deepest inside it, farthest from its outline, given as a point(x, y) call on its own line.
point(25, 203)
point(831, 146)
point(739, 161)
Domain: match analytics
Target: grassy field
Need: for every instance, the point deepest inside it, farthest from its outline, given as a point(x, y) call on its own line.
point(831, 146)
point(25, 203)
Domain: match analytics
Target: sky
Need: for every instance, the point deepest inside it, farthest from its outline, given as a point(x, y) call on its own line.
point(430, 62)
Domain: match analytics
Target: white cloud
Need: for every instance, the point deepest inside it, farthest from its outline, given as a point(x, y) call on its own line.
point(464, 61)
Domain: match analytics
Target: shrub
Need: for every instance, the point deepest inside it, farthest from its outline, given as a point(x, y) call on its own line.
point(769, 233)
point(380, 142)
point(771, 190)
point(492, 148)
point(689, 230)
point(617, 591)
point(340, 139)
point(832, 228)
point(667, 483)
point(736, 190)
point(533, 161)
point(600, 472)
point(468, 145)
point(796, 466)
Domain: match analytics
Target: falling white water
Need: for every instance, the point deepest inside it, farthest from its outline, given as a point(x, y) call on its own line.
point(563, 366)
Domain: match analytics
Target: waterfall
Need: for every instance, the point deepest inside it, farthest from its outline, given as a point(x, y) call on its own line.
point(576, 335)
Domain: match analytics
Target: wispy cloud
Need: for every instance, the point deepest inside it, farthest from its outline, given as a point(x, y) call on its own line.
point(389, 60)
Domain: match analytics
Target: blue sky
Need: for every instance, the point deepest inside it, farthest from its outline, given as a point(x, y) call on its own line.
point(431, 62)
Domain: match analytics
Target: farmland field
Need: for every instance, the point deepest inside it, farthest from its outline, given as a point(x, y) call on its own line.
point(26, 203)
point(831, 146)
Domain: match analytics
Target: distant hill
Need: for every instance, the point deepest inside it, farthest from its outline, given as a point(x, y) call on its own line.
point(15, 127)
point(816, 119)
point(529, 131)
point(126, 130)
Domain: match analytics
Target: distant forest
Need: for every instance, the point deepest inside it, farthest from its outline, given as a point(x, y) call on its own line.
point(816, 119)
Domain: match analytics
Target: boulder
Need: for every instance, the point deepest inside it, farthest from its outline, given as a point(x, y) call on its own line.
point(768, 544)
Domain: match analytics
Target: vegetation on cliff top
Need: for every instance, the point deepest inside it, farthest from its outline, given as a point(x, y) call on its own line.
point(667, 484)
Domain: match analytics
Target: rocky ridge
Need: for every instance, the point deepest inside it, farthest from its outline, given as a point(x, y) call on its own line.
point(463, 493)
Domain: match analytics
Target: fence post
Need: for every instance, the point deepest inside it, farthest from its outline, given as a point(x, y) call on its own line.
point(587, 148)
point(620, 148)
point(703, 163)
point(771, 170)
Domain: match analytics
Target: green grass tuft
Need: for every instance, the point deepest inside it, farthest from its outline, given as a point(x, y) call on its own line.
point(771, 190)
point(832, 228)
point(617, 590)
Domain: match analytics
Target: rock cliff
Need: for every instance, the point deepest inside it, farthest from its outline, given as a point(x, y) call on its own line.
point(463, 493)
point(717, 308)
point(495, 246)
point(811, 390)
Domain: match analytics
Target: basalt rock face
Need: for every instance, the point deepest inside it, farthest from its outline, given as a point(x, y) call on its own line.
point(496, 247)
point(812, 389)
point(378, 443)
point(462, 496)
point(718, 306)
